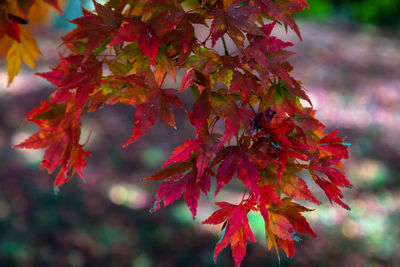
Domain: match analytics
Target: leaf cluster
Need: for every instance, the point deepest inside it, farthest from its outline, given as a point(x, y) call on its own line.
point(14, 35)
point(122, 52)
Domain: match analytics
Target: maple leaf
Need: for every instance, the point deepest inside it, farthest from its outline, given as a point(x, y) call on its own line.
point(13, 61)
point(165, 64)
point(29, 50)
point(281, 144)
point(246, 83)
point(26, 49)
point(182, 184)
point(259, 50)
point(37, 141)
point(55, 4)
point(9, 23)
point(283, 10)
point(235, 118)
point(282, 221)
point(55, 76)
point(233, 21)
point(184, 31)
point(147, 34)
point(292, 211)
point(83, 75)
point(202, 162)
point(59, 133)
point(236, 160)
point(201, 110)
point(331, 190)
point(236, 230)
point(334, 175)
point(296, 188)
point(262, 119)
point(156, 105)
point(97, 29)
point(76, 162)
point(191, 77)
point(188, 79)
point(334, 146)
point(171, 170)
point(183, 152)
point(268, 195)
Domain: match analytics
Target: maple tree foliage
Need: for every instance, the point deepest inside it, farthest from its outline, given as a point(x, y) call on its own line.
point(269, 133)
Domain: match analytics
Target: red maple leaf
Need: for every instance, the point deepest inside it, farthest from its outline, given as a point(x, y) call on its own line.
point(260, 49)
point(55, 4)
point(233, 21)
point(83, 76)
point(156, 104)
point(283, 10)
point(9, 24)
point(147, 34)
point(96, 28)
point(201, 111)
point(236, 229)
point(331, 190)
point(296, 188)
point(245, 83)
point(236, 160)
point(281, 221)
point(184, 152)
point(59, 133)
point(187, 185)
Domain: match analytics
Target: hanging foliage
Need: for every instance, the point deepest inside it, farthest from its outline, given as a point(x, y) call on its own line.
point(269, 133)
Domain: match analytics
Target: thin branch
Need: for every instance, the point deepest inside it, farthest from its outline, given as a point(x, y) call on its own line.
point(225, 47)
point(205, 41)
point(213, 123)
point(245, 191)
point(91, 128)
point(121, 7)
point(252, 109)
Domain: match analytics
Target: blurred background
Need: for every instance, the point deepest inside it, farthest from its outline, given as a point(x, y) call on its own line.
point(350, 63)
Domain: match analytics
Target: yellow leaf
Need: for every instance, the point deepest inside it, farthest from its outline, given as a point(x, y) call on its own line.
point(189, 4)
point(224, 76)
point(227, 3)
point(29, 49)
point(13, 61)
point(5, 44)
point(41, 12)
point(27, 58)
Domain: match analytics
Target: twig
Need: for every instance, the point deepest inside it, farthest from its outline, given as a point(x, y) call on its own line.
point(252, 109)
point(245, 191)
point(204, 42)
point(91, 128)
point(225, 47)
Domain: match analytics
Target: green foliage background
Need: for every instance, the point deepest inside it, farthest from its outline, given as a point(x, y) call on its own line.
point(384, 13)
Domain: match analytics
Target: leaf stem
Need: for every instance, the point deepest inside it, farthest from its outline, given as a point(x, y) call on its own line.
point(91, 128)
point(225, 47)
point(213, 123)
point(121, 7)
point(204, 42)
point(245, 191)
point(252, 109)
